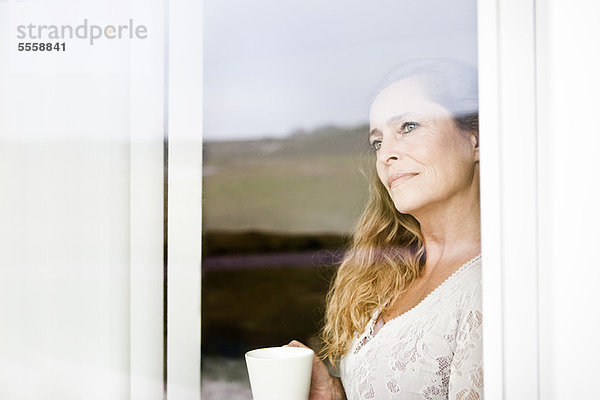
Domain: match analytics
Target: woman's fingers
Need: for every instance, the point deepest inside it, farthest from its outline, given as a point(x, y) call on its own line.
point(322, 384)
point(295, 343)
point(320, 367)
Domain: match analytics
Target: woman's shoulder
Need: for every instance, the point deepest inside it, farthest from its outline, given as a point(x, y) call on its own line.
point(465, 285)
point(472, 271)
point(467, 275)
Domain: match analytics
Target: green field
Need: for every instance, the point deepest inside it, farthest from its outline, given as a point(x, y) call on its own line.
point(305, 183)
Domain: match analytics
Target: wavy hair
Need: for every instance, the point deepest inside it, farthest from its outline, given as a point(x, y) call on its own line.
point(387, 252)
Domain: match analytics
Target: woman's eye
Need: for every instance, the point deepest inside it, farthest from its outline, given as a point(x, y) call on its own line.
point(408, 127)
point(376, 144)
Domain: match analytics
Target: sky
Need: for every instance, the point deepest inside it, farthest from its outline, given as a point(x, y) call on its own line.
point(273, 67)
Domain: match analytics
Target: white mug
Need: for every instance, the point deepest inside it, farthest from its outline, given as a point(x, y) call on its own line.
point(280, 373)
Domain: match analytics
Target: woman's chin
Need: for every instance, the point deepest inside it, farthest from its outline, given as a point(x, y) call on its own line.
point(406, 207)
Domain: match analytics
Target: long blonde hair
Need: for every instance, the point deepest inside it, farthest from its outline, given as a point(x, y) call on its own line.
point(387, 252)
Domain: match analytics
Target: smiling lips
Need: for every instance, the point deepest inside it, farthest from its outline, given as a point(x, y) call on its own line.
point(399, 178)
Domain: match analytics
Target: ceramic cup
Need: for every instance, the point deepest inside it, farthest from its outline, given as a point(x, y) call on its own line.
point(280, 373)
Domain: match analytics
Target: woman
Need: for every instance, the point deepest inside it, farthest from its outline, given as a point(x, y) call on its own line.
point(404, 312)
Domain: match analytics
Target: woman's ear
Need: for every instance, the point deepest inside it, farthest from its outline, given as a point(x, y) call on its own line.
point(474, 137)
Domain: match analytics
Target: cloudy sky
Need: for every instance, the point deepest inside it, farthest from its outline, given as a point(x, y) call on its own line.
point(273, 66)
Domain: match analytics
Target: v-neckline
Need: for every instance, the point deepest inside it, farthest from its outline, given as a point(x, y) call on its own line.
point(436, 289)
point(369, 331)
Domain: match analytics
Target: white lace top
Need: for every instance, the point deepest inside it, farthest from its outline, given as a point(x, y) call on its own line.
point(432, 351)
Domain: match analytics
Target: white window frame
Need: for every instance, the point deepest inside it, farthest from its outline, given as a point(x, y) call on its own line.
point(509, 187)
point(185, 197)
point(507, 74)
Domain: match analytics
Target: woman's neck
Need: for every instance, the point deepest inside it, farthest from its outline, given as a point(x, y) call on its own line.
point(451, 231)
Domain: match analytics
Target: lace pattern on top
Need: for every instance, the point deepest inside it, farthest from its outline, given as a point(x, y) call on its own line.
point(432, 351)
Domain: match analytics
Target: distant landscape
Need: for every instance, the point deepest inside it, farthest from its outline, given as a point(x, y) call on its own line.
point(309, 182)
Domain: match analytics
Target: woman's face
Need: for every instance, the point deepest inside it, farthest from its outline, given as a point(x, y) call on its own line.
point(423, 159)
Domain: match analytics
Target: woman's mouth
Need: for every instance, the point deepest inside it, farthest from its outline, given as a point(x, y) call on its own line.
point(399, 178)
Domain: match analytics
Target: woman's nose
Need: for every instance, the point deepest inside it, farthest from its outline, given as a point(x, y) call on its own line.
point(388, 153)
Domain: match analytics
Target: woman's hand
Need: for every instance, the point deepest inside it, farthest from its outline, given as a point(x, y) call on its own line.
point(323, 386)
